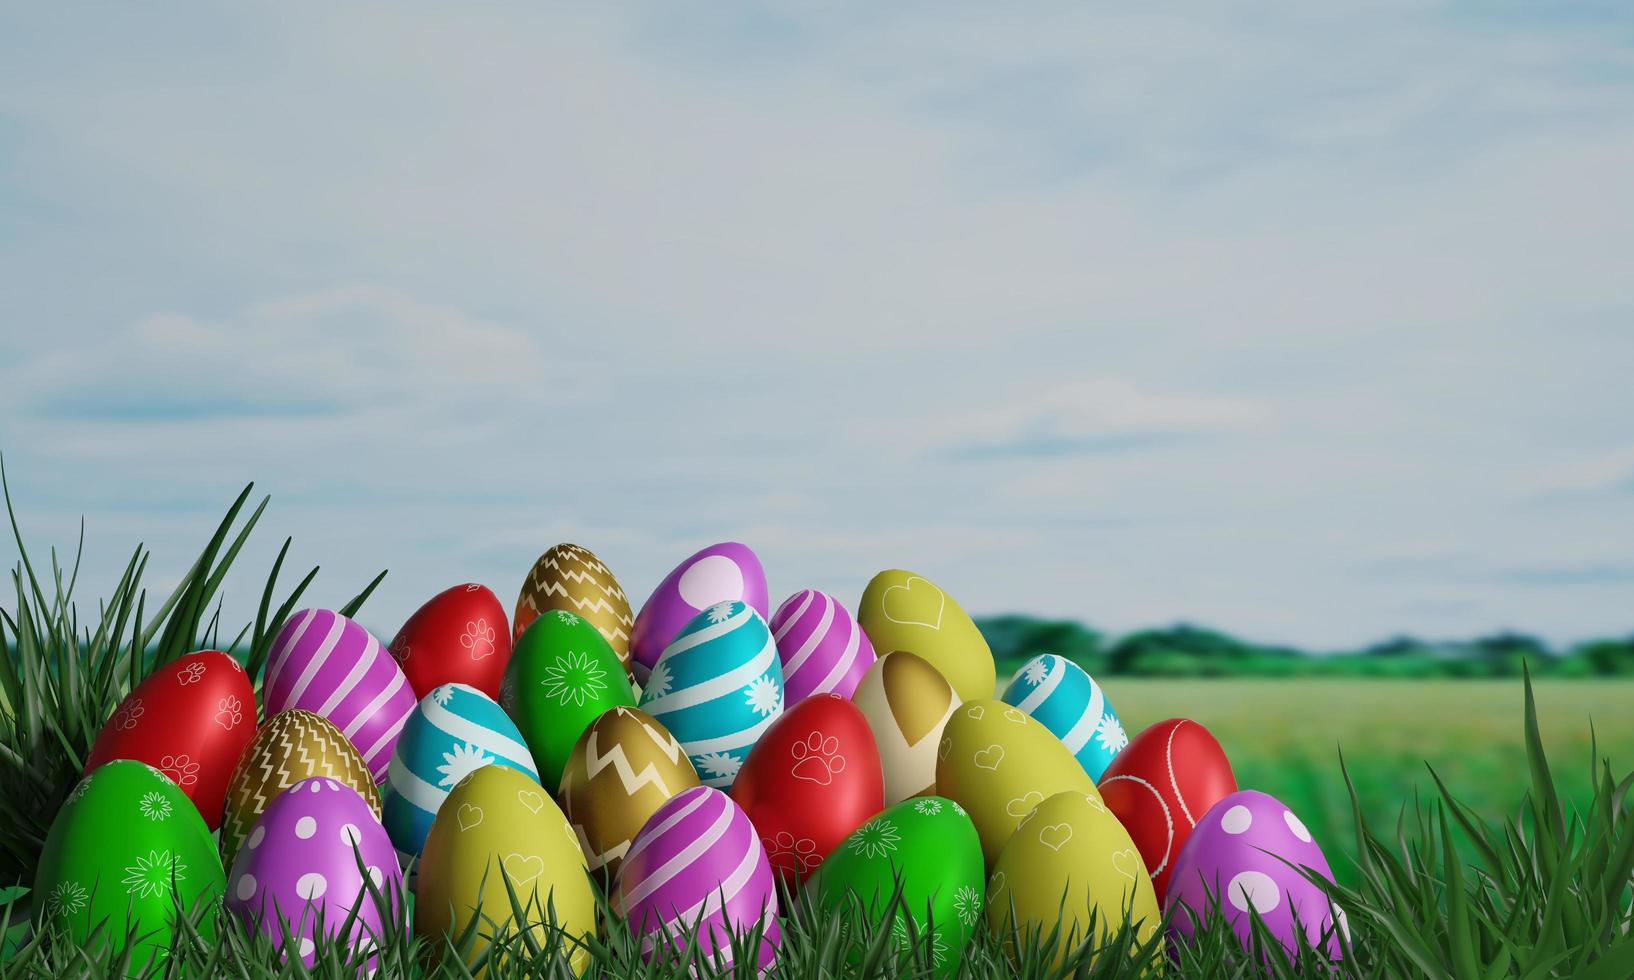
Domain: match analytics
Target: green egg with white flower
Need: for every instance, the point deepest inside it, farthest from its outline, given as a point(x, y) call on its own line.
point(125, 851)
point(562, 675)
point(929, 845)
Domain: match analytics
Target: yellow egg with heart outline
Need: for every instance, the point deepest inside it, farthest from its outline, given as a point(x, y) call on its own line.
point(906, 611)
point(498, 823)
point(999, 762)
point(1068, 861)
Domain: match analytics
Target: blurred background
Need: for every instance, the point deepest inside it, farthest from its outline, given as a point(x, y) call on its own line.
point(1199, 344)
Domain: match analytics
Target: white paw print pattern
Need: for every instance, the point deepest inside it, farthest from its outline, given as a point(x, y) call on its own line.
point(229, 712)
point(180, 769)
point(128, 715)
point(478, 639)
point(817, 759)
point(190, 674)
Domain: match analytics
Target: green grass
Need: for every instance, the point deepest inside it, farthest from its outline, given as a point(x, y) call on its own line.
point(1504, 870)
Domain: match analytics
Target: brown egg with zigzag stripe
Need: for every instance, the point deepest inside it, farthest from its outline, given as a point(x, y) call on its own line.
point(293, 745)
point(622, 769)
point(572, 578)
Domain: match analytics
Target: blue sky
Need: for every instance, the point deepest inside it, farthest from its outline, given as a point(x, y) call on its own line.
point(1306, 321)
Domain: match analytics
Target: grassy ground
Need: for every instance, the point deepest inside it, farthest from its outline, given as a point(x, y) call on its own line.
point(1283, 737)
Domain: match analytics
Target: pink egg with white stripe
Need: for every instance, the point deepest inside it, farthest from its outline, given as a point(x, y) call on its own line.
point(327, 664)
point(698, 867)
point(822, 648)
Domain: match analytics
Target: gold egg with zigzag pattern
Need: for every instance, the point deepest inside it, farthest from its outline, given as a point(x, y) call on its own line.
point(621, 770)
point(572, 578)
point(293, 745)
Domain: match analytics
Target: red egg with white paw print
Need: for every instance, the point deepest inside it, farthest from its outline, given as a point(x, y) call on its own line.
point(190, 719)
point(812, 779)
point(460, 636)
point(1160, 786)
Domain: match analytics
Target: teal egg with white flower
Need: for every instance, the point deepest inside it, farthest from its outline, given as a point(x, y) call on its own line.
point(1061, 695)
point(453, 731)
point(717, 687)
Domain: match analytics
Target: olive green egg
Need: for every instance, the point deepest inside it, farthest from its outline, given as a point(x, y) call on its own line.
point(906, 611)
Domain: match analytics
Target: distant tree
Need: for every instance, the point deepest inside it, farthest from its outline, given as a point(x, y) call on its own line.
point(1209, 652)
point(1610, 657)
point(1502, 654)
point(1016, 638)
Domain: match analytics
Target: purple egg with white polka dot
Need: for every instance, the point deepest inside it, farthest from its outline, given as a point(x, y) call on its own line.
point(1239, 855)
point(725, 572)
point(302, 869)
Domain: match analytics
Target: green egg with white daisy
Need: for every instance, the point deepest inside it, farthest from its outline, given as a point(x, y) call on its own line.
point(126, 850)
point(562, 675)
point(930, 846)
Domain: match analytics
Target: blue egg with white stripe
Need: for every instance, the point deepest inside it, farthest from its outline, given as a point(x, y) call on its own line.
point(454, 731)
point(1062, 695)
point(717, 687)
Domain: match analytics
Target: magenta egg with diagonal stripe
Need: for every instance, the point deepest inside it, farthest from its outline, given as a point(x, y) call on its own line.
point(822, 648)
point(327, 664)
point(698, 868)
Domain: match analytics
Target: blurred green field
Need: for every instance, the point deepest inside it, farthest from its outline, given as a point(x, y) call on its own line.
point(1283, 737)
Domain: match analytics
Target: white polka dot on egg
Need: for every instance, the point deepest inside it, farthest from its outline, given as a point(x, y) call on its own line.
point(256, 837)
point(305, 828)
point(306, 946)
point(1256, 889)
point(1296, 825)
point(1236, 820)
point(245, 889)
point(311, 886)
point(350, 835)
point(1342, 922)
point(375, 875)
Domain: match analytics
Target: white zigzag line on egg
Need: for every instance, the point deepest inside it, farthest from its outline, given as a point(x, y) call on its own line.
point(633, 781)
point(595, 860)
point(587, 605)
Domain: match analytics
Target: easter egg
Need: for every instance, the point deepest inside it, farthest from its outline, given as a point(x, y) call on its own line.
point(931, 847)
point(1069, 860)
point(621, 770)
point(327, 664)
point(1068, 702)
point(906, 702)
point(812, 779)
point(293, 745)
point(573, 579)
point(562, 675)
point(999, 762)
point(190, 719)
point(298, 874)
point(458, 637)
point(454, 731)
point(698, 866)
point(1161, 785)
point(725, 572)
point(822, 648)
point(499, 825)
point(717, 688)
point(125, 848)
point(1245, 853)
point(904, 611)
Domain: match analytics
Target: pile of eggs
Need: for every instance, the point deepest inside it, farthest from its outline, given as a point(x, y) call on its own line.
point(682, 760)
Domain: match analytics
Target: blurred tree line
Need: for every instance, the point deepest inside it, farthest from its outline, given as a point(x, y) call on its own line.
point(1184, 650)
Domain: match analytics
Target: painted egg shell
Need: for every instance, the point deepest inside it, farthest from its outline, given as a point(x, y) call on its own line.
point(458, 637)
point(572, 578)
point(1070, 847)
point(499, 825)
point(327, 664)
point(455, 730)
point(821, 646)
point(1062, 696)
point(561, 677)
point(1000, 764)
point(930, 845)
point(298, 870)
point(123, 837)
point(904, 611)
point(718, 687)
point(622, 768)
point(812, 779)
point(720, 573)
point(698, 866)
point(292, 746)
point(1161, 785)
point(1239, 856)
point(191, 719)
point(906, 702)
